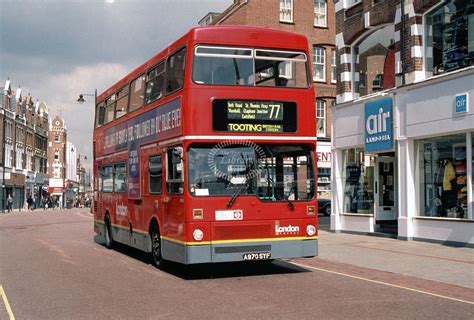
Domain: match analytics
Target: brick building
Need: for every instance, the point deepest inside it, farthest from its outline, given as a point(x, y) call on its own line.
point(403, 124)
point(315, 20)
point(57, 137)
point(20, 153)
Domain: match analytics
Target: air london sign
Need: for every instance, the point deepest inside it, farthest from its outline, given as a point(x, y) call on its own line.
point(379, 125)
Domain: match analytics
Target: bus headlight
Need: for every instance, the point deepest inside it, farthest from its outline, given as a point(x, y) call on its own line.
point(310, 230)
point(198, 234)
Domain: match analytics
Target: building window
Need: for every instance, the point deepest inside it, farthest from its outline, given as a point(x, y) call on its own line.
point(320, 13)
point(286, 10)
point(373, 61)
point(449, 34)
point(57, 138)
point(358, 178)
point(321, 117)
point(56, 172)
point(442, 176)
point(319, 64)
point(56, 155)
point(377, 82)
point(333, 66)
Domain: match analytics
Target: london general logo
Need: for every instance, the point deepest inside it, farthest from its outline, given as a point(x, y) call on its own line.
point(379, 125)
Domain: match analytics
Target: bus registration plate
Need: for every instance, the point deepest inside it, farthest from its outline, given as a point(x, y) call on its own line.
point(257, 256)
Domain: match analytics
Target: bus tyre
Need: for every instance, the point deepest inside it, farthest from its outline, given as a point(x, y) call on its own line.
point(327, 210)
point(109, 240)
point(156, 256)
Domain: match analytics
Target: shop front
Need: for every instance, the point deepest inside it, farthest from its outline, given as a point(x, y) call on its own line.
point(402, 162)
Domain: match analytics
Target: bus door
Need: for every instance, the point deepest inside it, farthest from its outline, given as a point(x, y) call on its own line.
point(152, 187)
point(173, 202)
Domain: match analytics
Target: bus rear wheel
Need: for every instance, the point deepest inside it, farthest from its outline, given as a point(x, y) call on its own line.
point(109, 240)
point(156, 256)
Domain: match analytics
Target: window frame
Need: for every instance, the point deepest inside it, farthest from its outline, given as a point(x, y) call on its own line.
point(333, 65)
point(168, 71)
point(110, 102)
point(102, 173)
point(170, 169)
point(160, 64)
point(316, 48)
point(160, 157)
point(114, 176)
point(323, 117)
point(129, 109)
point(321, 14)
point(120, 98)
point(290, 8)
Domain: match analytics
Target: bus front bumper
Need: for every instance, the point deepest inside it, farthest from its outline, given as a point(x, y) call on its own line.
point(240, 251)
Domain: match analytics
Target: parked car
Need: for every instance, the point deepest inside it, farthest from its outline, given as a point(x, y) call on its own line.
point(324, 206)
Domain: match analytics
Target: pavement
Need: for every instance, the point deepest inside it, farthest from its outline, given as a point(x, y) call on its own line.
point(415, 259)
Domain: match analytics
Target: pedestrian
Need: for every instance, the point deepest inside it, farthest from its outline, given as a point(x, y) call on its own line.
point(9, 203)
point(29, 201)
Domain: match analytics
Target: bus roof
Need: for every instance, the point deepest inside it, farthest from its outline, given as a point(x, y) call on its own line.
point(251, 36)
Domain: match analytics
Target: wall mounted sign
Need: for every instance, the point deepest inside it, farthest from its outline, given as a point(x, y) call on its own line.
point(461, 103)
point(379, 125)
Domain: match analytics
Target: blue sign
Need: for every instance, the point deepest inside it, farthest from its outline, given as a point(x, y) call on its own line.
point(460, 103)
point(159, 123)
point(379, 125)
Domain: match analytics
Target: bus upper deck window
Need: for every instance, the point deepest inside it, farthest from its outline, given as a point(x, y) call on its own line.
point(175, 71)
point(100, 115)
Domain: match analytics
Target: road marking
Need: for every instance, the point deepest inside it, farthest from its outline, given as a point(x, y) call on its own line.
point(381, 282)
point(7, 304)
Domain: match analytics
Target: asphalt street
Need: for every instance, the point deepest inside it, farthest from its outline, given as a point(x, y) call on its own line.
point(53, 267)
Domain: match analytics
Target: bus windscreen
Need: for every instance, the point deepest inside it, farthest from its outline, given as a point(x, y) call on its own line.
point(250, 67)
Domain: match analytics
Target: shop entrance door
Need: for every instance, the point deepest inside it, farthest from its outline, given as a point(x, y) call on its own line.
point(385, 189)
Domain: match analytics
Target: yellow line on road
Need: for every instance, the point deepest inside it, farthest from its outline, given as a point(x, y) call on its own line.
point(383, 283)
point(7, 305)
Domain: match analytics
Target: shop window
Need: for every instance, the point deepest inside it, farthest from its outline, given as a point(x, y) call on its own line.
point(373, 59)
point(443, 177)
point(175, 176)
point(120, 184)
point(449, 34)
point(358, 178)
point(155, 174)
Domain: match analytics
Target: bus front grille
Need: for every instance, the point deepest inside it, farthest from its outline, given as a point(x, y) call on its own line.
point(237, 249)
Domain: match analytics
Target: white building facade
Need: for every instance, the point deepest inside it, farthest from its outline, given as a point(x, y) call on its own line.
point(403, 125)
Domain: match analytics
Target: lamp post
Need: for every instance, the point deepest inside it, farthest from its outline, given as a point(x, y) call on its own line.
point(81, 96)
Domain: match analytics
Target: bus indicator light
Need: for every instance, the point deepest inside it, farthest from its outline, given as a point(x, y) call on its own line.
point(198, 214)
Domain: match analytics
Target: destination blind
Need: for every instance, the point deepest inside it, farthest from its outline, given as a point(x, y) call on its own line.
point(254, 116)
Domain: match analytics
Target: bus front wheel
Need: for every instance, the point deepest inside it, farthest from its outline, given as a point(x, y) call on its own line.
point(156, 256)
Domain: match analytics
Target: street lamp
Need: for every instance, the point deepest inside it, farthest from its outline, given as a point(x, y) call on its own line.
point(81, 96)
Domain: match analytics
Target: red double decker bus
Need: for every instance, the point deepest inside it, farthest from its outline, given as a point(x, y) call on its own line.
point(205, 153)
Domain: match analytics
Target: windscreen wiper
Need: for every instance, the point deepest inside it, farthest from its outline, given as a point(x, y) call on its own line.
point(237, 193)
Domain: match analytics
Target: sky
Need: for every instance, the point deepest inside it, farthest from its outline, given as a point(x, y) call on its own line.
point(58, 49)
